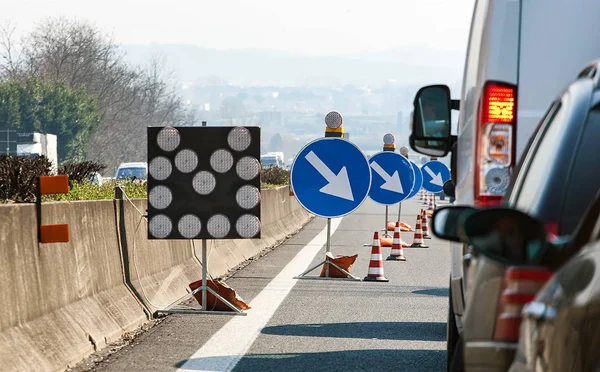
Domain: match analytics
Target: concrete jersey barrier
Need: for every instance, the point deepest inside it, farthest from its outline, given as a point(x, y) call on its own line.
point(64, 301)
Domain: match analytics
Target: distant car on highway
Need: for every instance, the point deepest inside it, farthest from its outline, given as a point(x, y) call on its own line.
point(96, 178)
point(136, 170)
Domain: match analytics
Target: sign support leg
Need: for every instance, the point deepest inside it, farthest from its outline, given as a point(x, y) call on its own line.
point(385, 231)
point(327, 262)
point(204, 288)
point(399, 210)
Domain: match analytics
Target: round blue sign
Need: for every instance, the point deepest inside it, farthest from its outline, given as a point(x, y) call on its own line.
point(393, 178)
point(435, 174)
point(330, 177)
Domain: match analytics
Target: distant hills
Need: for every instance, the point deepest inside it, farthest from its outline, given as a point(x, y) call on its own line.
point(409, 65)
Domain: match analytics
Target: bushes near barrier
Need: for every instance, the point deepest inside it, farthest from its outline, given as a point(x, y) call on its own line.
point(79, 172)
point(18, 176)
point(275, 176)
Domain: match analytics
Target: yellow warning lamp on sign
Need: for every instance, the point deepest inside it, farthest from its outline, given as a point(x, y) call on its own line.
point(334, 127)
point(389, 142)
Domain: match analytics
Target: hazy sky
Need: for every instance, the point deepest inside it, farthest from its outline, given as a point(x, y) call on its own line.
point(300, 27)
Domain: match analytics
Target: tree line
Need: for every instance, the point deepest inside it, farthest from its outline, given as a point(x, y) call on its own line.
point(68, 78)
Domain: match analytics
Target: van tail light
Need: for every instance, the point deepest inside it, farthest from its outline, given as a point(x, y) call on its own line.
point(520, 287)
point(495, 142)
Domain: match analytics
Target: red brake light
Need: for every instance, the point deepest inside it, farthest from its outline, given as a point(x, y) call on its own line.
point(496, 129)
point(499, 104)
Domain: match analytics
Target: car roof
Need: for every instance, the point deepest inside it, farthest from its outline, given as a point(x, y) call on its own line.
point(133, 165)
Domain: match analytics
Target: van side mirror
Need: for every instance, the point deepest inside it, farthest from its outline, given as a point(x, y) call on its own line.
point(430, 121)
point(444, 221)
point(505, 235)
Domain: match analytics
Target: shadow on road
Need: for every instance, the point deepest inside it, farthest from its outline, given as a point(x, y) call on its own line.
point(440, 292)
point(348, 360)
point(423, 331)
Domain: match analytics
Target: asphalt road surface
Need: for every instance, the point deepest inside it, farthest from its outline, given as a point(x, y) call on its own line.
point(315, 325)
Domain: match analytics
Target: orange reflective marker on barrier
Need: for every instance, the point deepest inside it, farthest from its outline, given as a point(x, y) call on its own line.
point(54, 184)
point(54, 233)
point(49, 185)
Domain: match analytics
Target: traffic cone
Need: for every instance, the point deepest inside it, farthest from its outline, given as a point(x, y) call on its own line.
point(425, 225)
point(426, 200)
point(375, 273)
point(421, 194)
point(397, 254)
point(418, 237)
point(431, 203)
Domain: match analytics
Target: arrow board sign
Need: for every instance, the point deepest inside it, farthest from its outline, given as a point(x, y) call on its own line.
point(330, 177)
point(418, 180)
point(435, 174)
point(393, 178)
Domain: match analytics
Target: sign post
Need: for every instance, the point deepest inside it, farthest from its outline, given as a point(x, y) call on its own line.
point(404, 152)
point(331, 178)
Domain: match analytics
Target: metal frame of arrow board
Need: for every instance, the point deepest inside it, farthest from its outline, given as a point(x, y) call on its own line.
point(208, 169)
point(326, 261)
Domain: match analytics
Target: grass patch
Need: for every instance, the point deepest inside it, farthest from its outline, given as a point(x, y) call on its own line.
point(88, 191)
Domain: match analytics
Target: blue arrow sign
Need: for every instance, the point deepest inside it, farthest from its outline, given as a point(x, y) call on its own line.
point(393, 178)
point(418, 180)
point(435, 173)
point(330, 177)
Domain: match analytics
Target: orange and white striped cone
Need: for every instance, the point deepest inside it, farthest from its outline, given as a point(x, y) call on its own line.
point(397, 254)
point(375, 273)
point(426, 200)
point(418, 237)
point(421, 195)
point(425, 225)
point(431, 203)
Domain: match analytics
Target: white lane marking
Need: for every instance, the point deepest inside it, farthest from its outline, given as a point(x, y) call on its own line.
point(226, 347)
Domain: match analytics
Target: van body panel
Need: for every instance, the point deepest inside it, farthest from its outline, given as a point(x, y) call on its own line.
point(558, 38)
point(492, 54)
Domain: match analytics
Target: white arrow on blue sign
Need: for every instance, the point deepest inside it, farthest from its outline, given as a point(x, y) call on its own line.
point(393, 178)
point(418, 180)
point(435, 174)
point(330, 177)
